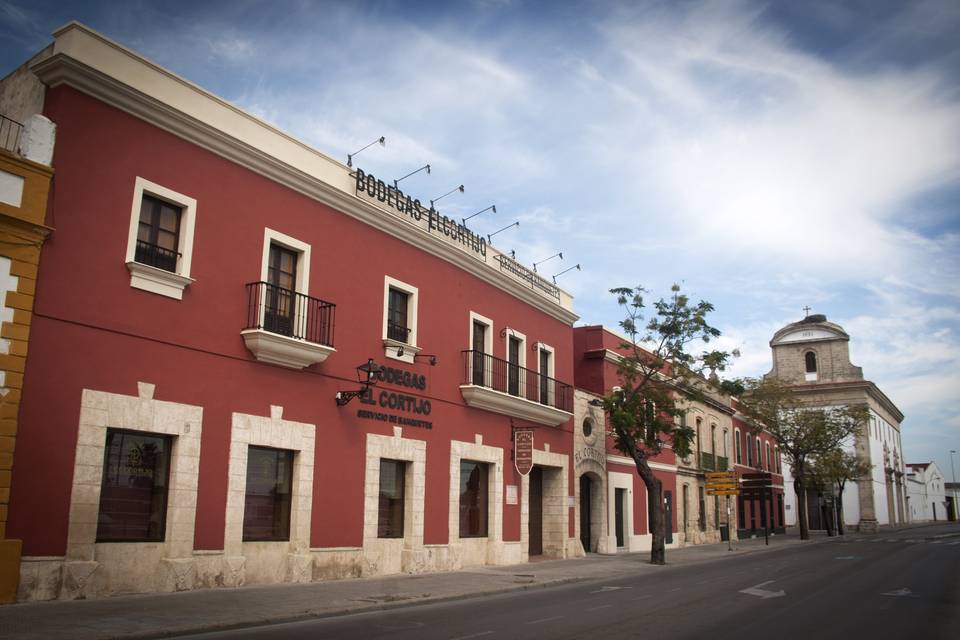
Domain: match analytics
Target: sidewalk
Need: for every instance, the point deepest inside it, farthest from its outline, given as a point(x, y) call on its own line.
point(158, 615)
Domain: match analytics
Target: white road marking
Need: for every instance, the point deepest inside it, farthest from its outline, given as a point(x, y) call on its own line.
point(845, 558)
point(954, 543)
point(473, 635)
point(878, 540)
point(901, 593)
point(755, 590)
point(603, 606)
point(936, 541)
point(672, 590)
point(544, 620)
point(646, 595)
point(605, 589)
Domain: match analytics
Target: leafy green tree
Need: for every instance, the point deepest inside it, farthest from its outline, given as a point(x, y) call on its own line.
point(658, 374)
point(802, 432)
point(834, 469)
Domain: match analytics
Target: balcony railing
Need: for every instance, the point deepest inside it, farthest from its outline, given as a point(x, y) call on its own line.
point(484, 370)
point(398, 332)
point(288, 313)
point(9, 134)
point(711, 462)
point(156, 256)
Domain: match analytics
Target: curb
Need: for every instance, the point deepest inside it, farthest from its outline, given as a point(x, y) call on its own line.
point(344, 611)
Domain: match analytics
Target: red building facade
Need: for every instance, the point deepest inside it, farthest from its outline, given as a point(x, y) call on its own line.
point(210, 288)
point(757, 457)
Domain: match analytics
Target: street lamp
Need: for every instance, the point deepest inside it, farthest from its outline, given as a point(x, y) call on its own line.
point(367, 374)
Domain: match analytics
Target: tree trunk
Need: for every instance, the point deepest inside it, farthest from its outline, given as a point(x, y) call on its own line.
point(658, 517)
point(801, 507)
point(658, 547)
point(840, 508)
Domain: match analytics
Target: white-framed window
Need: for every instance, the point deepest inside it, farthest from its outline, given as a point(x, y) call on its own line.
point(516, 357)
point(481, 350)
point(284, 273)
point(546, 367)
point(399, 319)
point(160, 239)
point(736, 444)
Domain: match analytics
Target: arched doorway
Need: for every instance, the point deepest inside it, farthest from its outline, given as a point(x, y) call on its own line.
point(592, 513)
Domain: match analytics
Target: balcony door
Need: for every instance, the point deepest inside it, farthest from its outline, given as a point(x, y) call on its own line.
point(479, 345)
point(279, 308)
point(513, 367)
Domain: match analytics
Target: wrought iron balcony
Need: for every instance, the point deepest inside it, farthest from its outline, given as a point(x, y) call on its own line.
point(504, 387)
point(288, 328)
point(711, 462)
point(10, 131)
point(156, 256)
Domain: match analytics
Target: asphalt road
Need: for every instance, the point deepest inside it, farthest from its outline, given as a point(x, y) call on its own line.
point(895, 585)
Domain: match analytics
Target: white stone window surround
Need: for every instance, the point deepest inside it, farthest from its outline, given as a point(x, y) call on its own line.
point(508, 333)
point(290, 560)
point(487, 347)
point(396, 554)
point(271, 237)
point(152, 279)
point(619, 480)
point(483, 549)
point(158, 566)
point(811, 376)
point(737, 447)
point(550, 372)
point(403, 351)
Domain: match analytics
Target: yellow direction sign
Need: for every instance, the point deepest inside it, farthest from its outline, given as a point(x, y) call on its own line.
point(722, 485)
point(723, 492)
point(720, 475)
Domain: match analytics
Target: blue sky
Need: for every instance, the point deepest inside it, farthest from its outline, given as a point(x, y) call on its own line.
point(768, 156)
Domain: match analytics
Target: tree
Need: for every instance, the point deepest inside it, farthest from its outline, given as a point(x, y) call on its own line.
point(834, 469)
point(802, 432)
point(656, 372)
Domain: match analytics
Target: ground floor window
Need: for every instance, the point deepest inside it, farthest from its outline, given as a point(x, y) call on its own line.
point(390, 511)
point(473, 499)
point(266, 512)
point(702, 519)
point(133, 491)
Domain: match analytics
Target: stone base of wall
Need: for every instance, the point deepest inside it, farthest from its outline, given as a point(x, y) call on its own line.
point(119, 573)
point(868, 526)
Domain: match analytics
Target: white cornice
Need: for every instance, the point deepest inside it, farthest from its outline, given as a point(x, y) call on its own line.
point(99, 67)
point(659, 466)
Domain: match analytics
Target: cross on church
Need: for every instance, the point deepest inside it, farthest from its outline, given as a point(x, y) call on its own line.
point(807, 309)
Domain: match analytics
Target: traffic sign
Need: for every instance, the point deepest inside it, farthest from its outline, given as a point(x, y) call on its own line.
point(720, 475)
point(722, 485)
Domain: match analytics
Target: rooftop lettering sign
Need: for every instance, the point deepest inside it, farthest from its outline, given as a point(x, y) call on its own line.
point(369, 185)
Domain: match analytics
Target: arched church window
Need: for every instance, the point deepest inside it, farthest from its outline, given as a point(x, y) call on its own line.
point(811, 360)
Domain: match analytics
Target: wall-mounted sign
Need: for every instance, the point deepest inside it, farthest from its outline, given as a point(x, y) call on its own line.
point(393, 401)
point(523, 450)
point(512, 494)
point(589, 453)
point(394, 198)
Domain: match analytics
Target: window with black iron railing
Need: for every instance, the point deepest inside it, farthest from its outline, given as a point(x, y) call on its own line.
point(484, 370)
point(288, 313)
point(10, 131)
point(156, 256)
point(398, 332)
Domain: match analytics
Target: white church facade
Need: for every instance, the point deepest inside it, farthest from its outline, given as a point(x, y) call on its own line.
point(813, 357)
